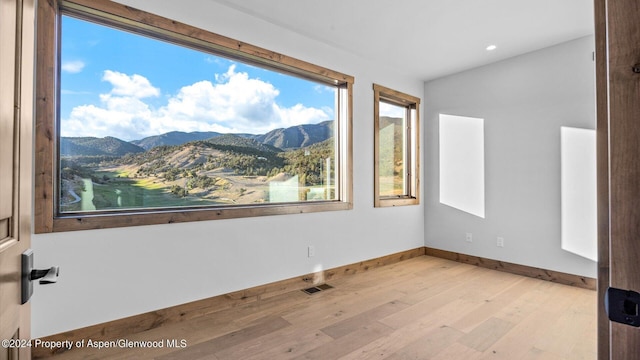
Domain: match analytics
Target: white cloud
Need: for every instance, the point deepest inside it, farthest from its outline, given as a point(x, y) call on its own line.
point(300, 114)
point(121, 112)
point(123, 118)
point(73, 67)
point(135, 85)
point(236, 103)
point(391, 110)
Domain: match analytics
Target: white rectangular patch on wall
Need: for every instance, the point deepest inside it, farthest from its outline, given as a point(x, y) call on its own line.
point(579, 192)
point(462, 163)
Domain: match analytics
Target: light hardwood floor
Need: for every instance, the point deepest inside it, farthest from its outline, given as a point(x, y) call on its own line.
point(422, 308)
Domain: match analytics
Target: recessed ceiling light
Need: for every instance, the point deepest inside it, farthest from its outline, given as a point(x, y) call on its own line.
point(491, 47)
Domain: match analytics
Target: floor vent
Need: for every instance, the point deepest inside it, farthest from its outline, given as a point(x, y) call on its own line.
point(315, 289)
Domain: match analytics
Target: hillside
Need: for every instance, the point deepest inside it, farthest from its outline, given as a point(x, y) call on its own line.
point(298, 136)
point(240, 155)
point(391, 155)
point(227, 169)
point(173, 138)
point(91, 146)
point(241, 142)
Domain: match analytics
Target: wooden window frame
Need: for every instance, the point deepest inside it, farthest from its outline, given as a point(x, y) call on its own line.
point(412, 150)
point(46, 218)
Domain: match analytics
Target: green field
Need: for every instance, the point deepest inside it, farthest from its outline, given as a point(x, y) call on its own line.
point(120, 192)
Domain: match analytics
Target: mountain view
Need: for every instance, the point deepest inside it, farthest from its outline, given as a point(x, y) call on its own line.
point(197, 168)
point(212, 131)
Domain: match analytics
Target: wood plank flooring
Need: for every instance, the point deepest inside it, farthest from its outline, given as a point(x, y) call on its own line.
point(422, 308)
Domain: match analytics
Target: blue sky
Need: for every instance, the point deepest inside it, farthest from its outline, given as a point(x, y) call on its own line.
point(114, 83)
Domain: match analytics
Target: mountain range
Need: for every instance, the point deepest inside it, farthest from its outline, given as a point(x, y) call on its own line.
point(296, 137)
point(91, 146)
point(279, 139)
point(173, 138)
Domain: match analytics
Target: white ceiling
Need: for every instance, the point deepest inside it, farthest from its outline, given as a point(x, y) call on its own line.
point(429, 38)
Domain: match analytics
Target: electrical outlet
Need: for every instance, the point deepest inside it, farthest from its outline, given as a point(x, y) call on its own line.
point(311, 251)
point(500, 242)
point(469, 237)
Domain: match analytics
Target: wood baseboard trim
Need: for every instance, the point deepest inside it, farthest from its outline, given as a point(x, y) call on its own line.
point(543, 274)
point(138, 323)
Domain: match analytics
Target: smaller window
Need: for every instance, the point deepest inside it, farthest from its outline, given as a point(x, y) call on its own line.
point(397, 160)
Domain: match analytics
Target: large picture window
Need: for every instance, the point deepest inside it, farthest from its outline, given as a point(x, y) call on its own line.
point(397, 155)
point(145, 123)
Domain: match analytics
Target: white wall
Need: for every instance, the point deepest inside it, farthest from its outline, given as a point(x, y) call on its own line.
point(524, 101)
point(110, 274)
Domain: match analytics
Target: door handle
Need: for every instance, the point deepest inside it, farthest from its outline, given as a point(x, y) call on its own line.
point(29, 274)
point(47, 276)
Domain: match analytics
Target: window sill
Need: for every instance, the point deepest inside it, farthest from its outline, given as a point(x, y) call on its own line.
point(156, 217)
point(397, 201)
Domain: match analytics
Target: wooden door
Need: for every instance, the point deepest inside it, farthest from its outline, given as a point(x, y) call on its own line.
point(618, 42)
point(16, 108)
